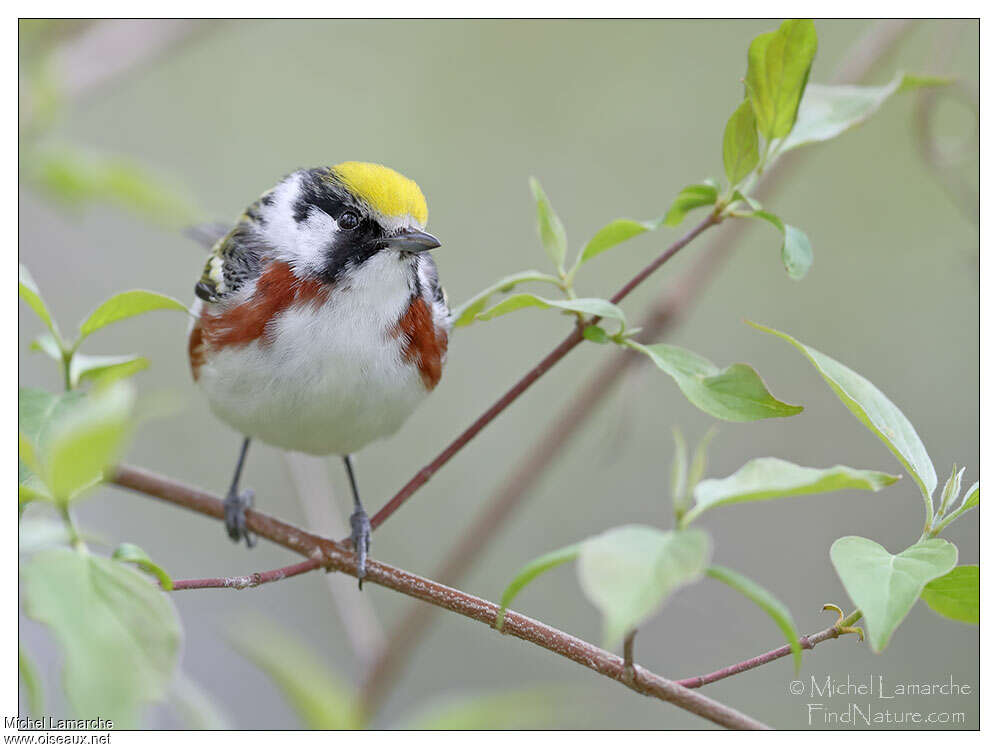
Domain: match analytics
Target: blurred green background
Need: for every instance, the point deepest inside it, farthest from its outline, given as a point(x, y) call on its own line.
point(613, 117)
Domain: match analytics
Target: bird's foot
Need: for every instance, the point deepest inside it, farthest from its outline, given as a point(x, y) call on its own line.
point(360, 535)
point(236, 504)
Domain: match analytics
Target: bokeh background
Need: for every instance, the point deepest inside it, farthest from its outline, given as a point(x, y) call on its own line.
point(613, 117)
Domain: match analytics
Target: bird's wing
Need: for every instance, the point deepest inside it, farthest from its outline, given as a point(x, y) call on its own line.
point(235, 259)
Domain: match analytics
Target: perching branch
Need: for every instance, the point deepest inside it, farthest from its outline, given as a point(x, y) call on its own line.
point(859, 60)
point(333, 556)
point(568, 344)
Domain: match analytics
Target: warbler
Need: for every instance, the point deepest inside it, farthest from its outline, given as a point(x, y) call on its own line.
point(320, 323)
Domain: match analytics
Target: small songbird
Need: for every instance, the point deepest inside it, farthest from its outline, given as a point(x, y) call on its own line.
point(320, 322)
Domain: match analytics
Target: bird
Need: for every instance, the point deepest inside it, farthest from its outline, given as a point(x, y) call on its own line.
point(320, 323)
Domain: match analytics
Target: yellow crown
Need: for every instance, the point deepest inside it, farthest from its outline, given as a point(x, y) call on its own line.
point(384, 189)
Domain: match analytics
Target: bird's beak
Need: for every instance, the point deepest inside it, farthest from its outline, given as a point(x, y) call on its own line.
point(413, 241)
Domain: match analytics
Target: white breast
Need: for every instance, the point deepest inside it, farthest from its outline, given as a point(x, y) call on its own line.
point(328, 380)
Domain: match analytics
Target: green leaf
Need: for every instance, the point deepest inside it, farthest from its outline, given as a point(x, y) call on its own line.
point(596, 334)
point(529, 572)
point(779, 64)
point(47, 344)
point(970, 501)
point(28, 291)
point(886, 586)
point(465, 313)
point(765, 601)
point(197, 709)
point(829, 111)
point(37, 412)
point(615, 233)
point(771, 478)
point(131, 553)
point(699, 463)
point(522, 708)
point(955, 595)
point(736, 394)
point(105, 368)
point(629, 572)
point(87, 440)
point(874, 410)
point(320, 698)
point(120, 636)
point(585, 305)
point(691, 197)
point(951, 489)
point(32, 683)
point(126, 305)
point(77, 179)
point(740, 144)
point(796, 252)
point(549, 227)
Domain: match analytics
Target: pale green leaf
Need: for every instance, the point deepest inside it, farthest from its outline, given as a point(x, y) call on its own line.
point(37, 412)
point(885, 586)
point(47, 344)
point(549, 227)
point(796, 250)
point(874, 410)
point(765, 601)
point(691, 197)
point(779, 64)
point(87, 440)
point(197, 709)
point(529, 572)
point(28, 291)
point(740, 144)
point(105, 368)
point(126, 305)
point(736, 394)
point(629, 572)
point(120, 637)
point(131, 553)
point(318, 696)
point(955, 595)
point(601, 308)
point(28, 673)
point(771, 478)
point(699, 463)
point(952, 488)
point(466, 312)
point(618, 231)
point(829, 111)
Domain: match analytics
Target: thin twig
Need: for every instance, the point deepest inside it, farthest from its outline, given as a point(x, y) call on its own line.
point(806, 641)
point(568, 344)
point(334, 556)
point(860, 59)
point(247, 582)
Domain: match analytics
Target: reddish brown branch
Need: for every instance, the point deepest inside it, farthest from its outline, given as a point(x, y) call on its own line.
point(567, 345)
point(250, 581)
point(806, 641)
point(334, 556)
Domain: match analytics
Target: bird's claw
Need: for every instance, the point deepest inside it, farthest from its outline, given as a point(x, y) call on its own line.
point(236, 504)
point(360, 535)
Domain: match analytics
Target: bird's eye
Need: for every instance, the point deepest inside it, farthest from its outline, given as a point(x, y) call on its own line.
point(348, 220)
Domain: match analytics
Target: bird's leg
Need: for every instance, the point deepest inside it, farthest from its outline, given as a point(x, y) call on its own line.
point(237, 502)
point(360, 527)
